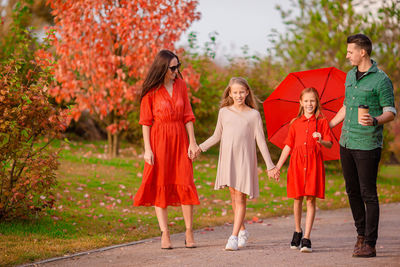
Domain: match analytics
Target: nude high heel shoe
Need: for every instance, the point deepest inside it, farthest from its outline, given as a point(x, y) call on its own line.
point(165, 240)
point(189, 239)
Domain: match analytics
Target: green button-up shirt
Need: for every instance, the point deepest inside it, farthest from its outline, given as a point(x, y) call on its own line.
point(374, 89)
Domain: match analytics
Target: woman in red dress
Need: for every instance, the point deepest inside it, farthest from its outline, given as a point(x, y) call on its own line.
point(167, 121)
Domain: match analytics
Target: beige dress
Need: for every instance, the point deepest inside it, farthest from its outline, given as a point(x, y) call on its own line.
point(238, 132)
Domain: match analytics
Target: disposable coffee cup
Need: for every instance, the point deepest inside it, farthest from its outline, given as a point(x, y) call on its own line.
point(362, 109)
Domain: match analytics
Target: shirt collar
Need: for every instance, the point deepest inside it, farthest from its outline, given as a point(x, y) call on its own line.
point(373, 68)
point(303, 118)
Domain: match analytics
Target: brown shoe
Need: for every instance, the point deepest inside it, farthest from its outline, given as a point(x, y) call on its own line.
point(366, 251)
point(358, 245)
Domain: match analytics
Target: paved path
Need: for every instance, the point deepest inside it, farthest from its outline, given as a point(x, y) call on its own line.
point(333, 238)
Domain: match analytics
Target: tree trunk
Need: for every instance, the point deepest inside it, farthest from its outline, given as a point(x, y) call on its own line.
point(113, 145)
point(113, 139)
point(110, 143)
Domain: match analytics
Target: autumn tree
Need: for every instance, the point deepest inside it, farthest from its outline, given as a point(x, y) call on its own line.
point(104, 48)
point(37, 15)
point(29, 121)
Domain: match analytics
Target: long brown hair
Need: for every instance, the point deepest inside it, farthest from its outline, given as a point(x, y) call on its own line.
point(250, 100)
point(317, 111)
point(155, 76)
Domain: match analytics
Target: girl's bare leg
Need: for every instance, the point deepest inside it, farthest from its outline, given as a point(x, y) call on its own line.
point(232, 192)
point(310, 216)
point(297, 210)
point(240, 211)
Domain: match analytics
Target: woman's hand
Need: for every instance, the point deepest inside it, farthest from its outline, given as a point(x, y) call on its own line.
point(274, 173)
point(193, 151)
point(148, 157)
point(198, 152)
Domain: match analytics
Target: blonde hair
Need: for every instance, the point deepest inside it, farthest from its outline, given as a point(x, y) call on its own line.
point(317, 111)
point(250, 100)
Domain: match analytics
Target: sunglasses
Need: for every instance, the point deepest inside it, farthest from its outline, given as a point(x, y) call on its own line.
point(174, 68)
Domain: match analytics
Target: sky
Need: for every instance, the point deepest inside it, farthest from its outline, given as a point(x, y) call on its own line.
point(238, 23)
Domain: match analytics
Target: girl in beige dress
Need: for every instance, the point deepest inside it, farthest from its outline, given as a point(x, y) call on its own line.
point(238, 129)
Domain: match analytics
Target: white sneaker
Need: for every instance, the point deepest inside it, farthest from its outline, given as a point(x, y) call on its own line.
point(232, 243)
point(242, 238)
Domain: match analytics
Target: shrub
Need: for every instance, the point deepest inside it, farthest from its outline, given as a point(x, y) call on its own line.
point(28, 124)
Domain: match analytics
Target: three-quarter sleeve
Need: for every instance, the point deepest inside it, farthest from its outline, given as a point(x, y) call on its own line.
point(216, 137)
point(289, 141)
point(262, 144)
point(146, 110)
point(187, 112)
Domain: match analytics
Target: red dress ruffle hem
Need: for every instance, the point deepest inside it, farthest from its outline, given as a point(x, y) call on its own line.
point(169, 182)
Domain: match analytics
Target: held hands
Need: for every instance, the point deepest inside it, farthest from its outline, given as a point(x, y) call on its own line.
point(274, 173)
point(317, 137)
point(148, 157)
point(193, 151)
point(198, 152)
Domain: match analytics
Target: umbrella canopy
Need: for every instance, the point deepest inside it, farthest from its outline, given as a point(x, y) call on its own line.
point(283, 104)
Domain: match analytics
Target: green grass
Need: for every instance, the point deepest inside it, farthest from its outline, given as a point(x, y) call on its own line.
point(94, 203)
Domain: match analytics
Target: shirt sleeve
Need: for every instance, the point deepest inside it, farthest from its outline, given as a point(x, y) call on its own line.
point(326, 132)
point(216, 137)
point(385, 93)
point(390, 109)
point(262, 145)
point(289, 141)
point(187, 112)
point(146, 110)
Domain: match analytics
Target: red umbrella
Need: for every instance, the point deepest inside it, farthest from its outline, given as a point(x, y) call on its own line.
point(283, 104)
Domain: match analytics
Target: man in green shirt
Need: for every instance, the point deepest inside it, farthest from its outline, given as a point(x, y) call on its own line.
point(370, 89)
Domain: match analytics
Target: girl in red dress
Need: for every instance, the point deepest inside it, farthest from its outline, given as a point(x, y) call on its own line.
point(306, 173)
point(167, 121)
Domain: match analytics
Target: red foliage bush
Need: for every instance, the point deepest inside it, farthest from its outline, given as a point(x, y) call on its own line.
point(29, 122)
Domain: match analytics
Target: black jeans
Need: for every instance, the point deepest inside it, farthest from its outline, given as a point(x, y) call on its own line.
point(360, 171)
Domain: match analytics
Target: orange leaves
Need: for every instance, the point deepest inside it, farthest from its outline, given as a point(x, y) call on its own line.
point(29, 120)
point(255, 219)
point(395, 145)
point(76, 115)
point(110, 47)
point(192, 78)
point(114, 128)
point(44, 58)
